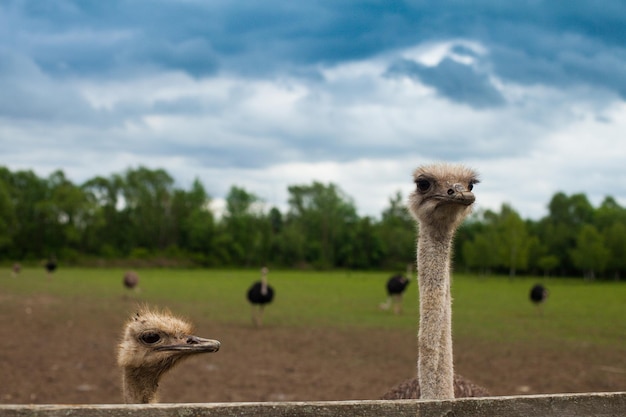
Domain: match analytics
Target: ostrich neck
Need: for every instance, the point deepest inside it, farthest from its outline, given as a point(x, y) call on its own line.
point(139, 386)
point(435, 368)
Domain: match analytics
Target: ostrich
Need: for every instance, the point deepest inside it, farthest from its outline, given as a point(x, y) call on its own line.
point(260, 294)
point(538, 294)
point(16, 269)
point(442, 199)
point(152, 343)
point(396, 285)
point(131, 280)
point(51, 265)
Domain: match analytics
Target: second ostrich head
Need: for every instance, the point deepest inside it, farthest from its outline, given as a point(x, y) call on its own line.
point(153, 342)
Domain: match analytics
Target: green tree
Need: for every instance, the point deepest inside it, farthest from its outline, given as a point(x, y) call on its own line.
point(590, 254)
point(292, 245)
point(513, 240)
point(148, 202)
point(323, 214)
point(615, 238)
point(109, 233)
point(70, 214)
point(559, 230)
point(7, 217)
point(480, 253)
point(476, 242)
point(609, 213)
point(200, 237)
point(276, 228)
point(610, 219)
point(27, 192)
point(547, 263)
point(397, 233)
point(246, 229)
point(194, 224)
point(363, 248)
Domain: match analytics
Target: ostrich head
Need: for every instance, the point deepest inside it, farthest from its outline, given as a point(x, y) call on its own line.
point(152, 343)
point(443, 196)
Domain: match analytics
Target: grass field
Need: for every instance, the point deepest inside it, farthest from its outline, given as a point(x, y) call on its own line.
point(324, 337)
point(487, 308)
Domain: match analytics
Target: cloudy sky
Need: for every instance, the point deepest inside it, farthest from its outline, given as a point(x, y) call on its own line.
point(269, 94)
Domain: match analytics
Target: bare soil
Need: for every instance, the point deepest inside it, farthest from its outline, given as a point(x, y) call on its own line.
point(56, 352)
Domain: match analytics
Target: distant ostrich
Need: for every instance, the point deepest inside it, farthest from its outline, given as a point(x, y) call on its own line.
point(260, 294)
point(152, 343)
point(442, 199)
point(396, 285)
point(17, 268)
point(51, 266)
point(131, 280)
point(538, 295)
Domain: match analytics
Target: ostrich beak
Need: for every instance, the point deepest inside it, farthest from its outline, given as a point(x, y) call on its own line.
point(458, 194)
point(192, 344)
point(464, 198)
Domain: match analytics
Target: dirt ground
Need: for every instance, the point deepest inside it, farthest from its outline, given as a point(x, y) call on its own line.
point(54, 352)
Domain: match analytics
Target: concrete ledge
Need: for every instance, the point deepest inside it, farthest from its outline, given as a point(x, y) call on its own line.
point(588, 404)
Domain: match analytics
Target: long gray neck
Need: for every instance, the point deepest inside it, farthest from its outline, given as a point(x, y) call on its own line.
point(139, 387)
point(435, 366)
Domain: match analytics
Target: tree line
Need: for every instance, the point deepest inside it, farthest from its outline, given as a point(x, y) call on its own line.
point(141, 215)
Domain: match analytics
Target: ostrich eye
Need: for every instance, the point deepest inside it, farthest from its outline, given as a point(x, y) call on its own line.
point(422, 184)
point(470, 186)
point(150, 338)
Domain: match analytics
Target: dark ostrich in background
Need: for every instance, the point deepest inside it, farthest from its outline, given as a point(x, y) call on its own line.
point(538, 295)
point(260, 294)
point(16, 269)
point(51, 266)
point(396, 285)
point(131, 280)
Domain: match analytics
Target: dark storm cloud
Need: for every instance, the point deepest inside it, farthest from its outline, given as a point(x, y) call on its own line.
point(562, 60)
point(456, 81)
point(534, 43)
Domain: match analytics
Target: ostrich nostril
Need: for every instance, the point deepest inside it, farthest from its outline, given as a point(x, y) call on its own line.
point(192, 341)
point(450, 191)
